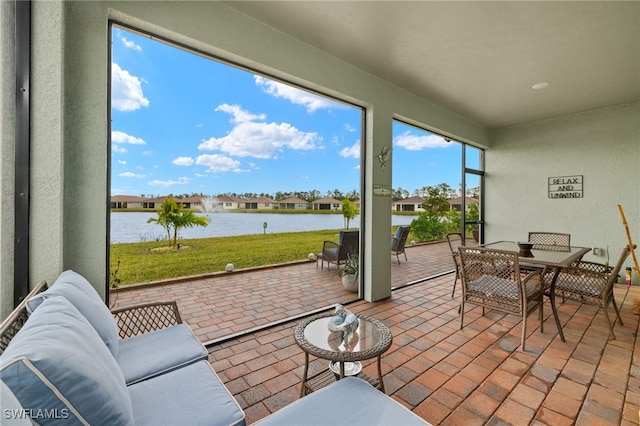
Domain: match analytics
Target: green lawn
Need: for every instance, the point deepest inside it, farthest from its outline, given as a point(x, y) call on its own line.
point(150, 261)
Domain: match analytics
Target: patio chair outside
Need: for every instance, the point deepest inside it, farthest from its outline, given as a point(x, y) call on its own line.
point(590, 283)
point(491, 279)
point(338, 252)
point(455, 240)
point(398, 242)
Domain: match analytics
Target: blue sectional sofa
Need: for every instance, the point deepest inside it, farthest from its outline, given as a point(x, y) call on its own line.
point(66, 359)
point(67, 364)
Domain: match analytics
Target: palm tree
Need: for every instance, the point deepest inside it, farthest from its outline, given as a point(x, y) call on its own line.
point(168, 211)
point(187, 219)
point(172, 218)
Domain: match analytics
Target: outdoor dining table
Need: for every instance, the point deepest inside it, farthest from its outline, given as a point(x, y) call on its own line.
point(555, 258)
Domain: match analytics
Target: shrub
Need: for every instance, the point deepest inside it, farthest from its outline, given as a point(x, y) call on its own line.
point(429, 228)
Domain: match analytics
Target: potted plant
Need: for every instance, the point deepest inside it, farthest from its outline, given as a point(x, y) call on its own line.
point(349, 273)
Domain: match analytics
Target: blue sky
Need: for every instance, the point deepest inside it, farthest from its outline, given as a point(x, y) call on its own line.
point(182, 124)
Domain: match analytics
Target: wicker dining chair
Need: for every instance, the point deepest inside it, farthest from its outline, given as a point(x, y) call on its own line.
point(555, 241)
point(552, 241)
point(589, 283)
point(491, 279)
point(455, 240)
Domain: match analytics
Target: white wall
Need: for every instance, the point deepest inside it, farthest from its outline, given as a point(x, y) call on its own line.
point(603, 146)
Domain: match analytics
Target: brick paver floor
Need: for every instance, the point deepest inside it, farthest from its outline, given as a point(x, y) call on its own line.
point(223, 304)
point(446, 375)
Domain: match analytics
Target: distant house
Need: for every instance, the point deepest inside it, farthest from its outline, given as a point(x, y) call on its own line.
point(189, 202)
point(411, 204)
point(327, 203)
point(259, 203)
point(127, 202)
point(456, 203)
point(293, 203)
point(153, 203)
point(226, 202)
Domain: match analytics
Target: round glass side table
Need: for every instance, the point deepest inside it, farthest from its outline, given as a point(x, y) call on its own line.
point(370, 340)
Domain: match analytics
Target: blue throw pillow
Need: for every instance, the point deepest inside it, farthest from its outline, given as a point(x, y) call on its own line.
point(12, 412)
point(60, 370)
point(77, 290)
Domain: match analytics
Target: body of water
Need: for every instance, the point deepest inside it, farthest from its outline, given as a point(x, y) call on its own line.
point(133, 227)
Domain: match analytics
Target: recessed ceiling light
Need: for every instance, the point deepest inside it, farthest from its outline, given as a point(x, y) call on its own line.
point(540, 86)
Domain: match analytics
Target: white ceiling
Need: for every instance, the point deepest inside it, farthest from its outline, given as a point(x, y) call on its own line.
point(479, 59)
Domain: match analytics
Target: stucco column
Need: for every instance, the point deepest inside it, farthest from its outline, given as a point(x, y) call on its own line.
point(377, 209)
point(47, 141)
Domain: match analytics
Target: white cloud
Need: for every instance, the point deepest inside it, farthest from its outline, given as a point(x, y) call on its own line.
point(122, 162)
point(126, 90)
point(118, 149)
point(239, 114)
point(166, 183)
point(349, 128)
point(183, 161)
point(130, 174)
point(258, 139)
point(121, 137)
point(352, 151)
point(299, 97)
point(130, 44)
point(218, 163)
point(412, 142)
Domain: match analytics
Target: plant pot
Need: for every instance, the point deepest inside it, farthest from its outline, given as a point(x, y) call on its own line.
point(476, 234)
point(350, 282)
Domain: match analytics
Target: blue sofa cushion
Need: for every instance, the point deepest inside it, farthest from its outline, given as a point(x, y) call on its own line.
point(75, 288)
point(58, 364)
point(12, 412)
point(150, 354)
point(192, 395)
point(349, 401)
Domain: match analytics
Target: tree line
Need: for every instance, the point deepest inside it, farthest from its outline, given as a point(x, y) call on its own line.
point(312, 195)
point(437, 219)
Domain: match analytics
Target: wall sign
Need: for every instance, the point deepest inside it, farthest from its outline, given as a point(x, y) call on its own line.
point(381, 190)
point(565, 187)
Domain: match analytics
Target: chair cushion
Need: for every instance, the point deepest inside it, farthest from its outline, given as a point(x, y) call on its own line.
point(398, 233)
point(150, 354)
point(349, 401)
point(77, 290)
point(499, 287)
point(569, 283)
point(57, 362)
point(191, 395)
point(330, 253)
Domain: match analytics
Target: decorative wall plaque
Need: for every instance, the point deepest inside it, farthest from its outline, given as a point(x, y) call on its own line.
point(382, 190)
point(565, 187)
